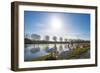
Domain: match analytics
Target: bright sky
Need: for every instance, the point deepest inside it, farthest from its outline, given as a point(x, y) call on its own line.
point(66, 25)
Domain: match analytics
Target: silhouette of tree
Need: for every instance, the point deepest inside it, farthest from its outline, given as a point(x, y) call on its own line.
point(26, 35)
point(61, 39)
point(55, 38)
point(47, 38)
point(35, 37)
point(66, 40)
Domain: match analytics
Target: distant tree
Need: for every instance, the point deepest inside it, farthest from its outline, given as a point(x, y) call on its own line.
point(61, 39)
point(47, 38)
point(56, 53)
point(35, 37)
point(26, 35)
point(55, 38)
point(66, 40)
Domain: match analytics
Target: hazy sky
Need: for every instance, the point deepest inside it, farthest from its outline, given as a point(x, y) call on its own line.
point(66, 25)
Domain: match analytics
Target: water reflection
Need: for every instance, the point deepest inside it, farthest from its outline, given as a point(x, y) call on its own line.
point(37, 50)
point(49, 52)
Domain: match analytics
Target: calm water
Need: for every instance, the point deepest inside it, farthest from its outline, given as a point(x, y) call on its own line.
point(34, 50)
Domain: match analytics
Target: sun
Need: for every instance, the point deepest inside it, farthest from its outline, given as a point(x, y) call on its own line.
point(56, 23)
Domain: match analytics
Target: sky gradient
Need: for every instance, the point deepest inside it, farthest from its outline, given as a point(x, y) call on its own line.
point(66, 25)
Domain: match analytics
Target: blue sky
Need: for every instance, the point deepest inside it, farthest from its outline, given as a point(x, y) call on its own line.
point(67, 25)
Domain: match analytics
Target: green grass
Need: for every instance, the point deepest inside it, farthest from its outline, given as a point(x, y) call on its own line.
point(76, 52)
point(41, 58)
point(71, 55)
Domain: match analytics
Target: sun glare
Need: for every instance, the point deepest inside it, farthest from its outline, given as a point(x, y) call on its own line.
point(56, 23)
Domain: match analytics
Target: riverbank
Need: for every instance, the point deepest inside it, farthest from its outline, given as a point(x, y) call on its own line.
point(76, 53)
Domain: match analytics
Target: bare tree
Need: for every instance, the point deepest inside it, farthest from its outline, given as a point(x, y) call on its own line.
point(47, 38)
point(26, 35)
point(35, 37)
point(61, 39)
point(55, 38)
point(66, 40)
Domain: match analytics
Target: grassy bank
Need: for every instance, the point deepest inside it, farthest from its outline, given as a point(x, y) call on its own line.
point(72, 54)
point(41, 58)
point(76, 52)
